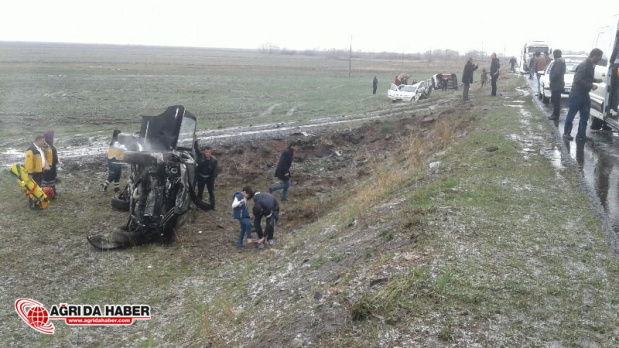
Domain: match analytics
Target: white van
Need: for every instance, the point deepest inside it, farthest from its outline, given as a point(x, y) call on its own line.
point(604, 98)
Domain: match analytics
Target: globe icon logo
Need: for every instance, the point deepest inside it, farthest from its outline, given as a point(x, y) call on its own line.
point(38, 316)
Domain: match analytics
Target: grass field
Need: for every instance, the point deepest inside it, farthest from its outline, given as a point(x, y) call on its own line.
point(83, 89)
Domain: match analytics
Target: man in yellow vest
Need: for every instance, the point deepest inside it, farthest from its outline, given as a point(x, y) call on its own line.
point(115, 156)
point(37, 160)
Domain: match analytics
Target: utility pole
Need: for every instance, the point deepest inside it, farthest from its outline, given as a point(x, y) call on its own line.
point(350, 57)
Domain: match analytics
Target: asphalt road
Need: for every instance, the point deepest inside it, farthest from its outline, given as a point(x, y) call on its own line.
point(597, 160)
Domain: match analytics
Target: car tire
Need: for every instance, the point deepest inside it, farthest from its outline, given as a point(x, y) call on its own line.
point(545, 99)
point(120, 204)
point(596, 123)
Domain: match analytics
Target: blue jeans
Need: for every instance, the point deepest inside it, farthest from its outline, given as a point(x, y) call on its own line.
point(578, 102)
point(283, 186)
point(539, 90)
point(245, 230)
point(531, 72)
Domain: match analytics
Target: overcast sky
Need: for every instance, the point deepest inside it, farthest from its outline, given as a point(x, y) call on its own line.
point(392, 25)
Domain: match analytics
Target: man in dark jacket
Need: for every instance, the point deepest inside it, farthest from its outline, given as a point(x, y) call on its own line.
point(265, 205)
point(494, 73)
point(206, 173)
point(467, 77)
point(579, 100)
point(49, 177)
point(557, 83)
point(374, 85)
point(282, 172)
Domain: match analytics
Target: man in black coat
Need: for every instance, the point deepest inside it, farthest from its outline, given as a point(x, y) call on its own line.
point(374, 85)
point(579, 100)
point(467, 77)
point(557, 83)
point(494, 73)
point(265, 205)
point(206, 173)
point(282, 172)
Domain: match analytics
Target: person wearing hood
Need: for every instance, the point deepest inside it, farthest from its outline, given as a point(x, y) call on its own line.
point(49, 176)
point(557, 83)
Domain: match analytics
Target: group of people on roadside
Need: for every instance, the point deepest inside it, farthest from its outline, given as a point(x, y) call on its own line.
point(469, 69)
point(41, 163)
point(265, 204)
point(579, 100)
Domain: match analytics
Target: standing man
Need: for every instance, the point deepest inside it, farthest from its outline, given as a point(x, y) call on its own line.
point(206, 174)
point(35, 164)
point(265, 205)
point(445, 81)
point(282, 172)
point(49, 177)
point(557, 83)
point(540, 65)
point(467, 77)
point(494, 73)
point(579, 100)
point(374, 85)
point(531, 67)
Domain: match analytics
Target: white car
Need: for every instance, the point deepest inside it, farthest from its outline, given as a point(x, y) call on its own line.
point(409, 92)
point(571, 63)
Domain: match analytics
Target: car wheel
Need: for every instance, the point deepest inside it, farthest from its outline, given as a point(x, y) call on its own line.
point(545, 99)
point(596, 123)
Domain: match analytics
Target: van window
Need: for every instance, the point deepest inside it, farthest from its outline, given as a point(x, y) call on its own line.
point(604, 42)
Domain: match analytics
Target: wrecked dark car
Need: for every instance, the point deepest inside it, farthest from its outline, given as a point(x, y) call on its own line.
point(160, 189)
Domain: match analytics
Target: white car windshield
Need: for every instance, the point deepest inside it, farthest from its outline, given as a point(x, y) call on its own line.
point(408, 89)
point(571, 66)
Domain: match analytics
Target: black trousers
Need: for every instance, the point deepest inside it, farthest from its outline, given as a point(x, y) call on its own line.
point(493, 83)
point(268, 230)
point(555, 100)
point(210, 186)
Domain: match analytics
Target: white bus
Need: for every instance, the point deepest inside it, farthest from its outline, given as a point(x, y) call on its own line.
point(529, 51)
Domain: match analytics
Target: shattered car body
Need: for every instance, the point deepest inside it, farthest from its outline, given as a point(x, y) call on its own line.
point(160, 186)
point(409, 93)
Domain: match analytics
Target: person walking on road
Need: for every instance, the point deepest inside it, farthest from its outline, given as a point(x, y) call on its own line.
point(467, 77)
point(494, 73)
point(540, 65)
point(531, 67)
point(579, 100)
point(557, 83)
